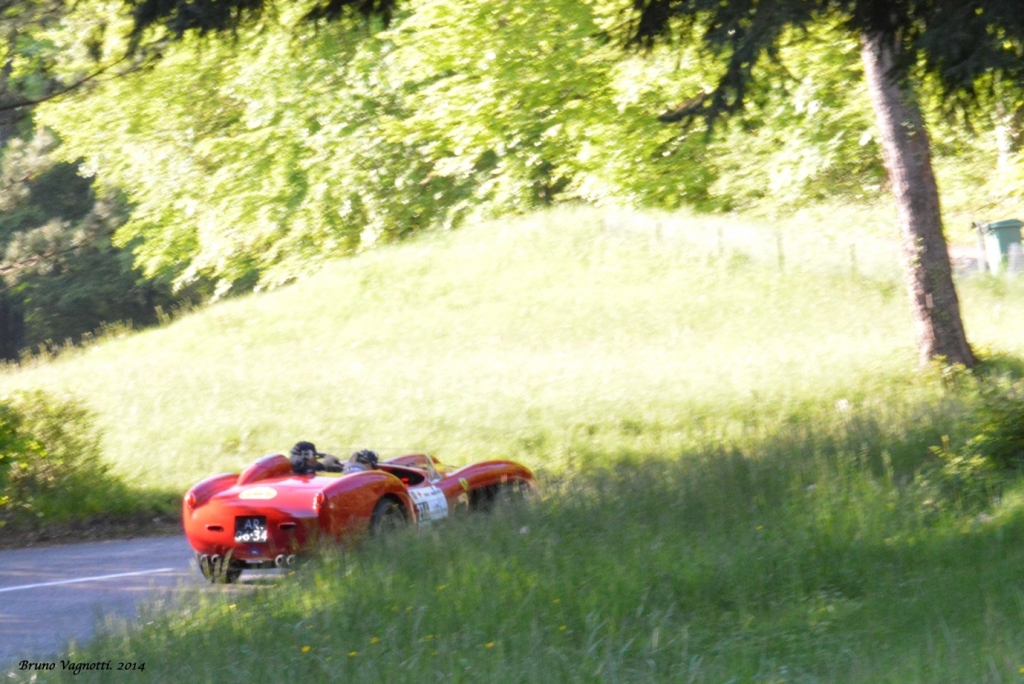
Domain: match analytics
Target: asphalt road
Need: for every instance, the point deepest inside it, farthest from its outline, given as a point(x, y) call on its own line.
point(52, 594)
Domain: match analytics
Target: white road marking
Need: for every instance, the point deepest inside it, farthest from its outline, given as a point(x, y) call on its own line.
point(85, 579)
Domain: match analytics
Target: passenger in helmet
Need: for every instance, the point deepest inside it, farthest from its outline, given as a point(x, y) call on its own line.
point(361, 461)
point(332, 463)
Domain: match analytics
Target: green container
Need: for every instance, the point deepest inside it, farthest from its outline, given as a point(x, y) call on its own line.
point(999, 238)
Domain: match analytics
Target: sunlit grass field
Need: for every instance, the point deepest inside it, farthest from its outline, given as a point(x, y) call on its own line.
point(729, 421)
point(512, 339)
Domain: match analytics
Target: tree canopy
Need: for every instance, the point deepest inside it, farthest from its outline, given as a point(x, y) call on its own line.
point(316, 140)
point(958, 42)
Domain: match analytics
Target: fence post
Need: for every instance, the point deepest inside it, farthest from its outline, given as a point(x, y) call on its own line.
point(982, 256)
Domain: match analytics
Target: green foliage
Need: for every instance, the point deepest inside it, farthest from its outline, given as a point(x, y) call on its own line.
point(34, 63)
point(308, 144)
point(95, 287)
point(963, 481)
point(14, 446)
point(51, 469)
point(515, 100)
point(318, 143)
point(219, 191)
point(812, 134)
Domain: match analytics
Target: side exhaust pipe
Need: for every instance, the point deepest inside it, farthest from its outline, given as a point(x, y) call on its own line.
point(279, 560)
point(290, 560)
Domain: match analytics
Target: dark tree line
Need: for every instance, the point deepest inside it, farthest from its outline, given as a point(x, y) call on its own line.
point(61, 276)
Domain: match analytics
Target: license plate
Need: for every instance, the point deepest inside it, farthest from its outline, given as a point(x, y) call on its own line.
point(251, 529)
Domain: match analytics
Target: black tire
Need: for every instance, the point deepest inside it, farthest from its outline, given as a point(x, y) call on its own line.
point(203, 561)
point(232, 572)
point(513, 493)
point(496, 496)
point(226, 571)
point(388, 516)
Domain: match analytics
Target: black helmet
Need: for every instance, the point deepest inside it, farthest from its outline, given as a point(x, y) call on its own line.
point(304, 449)
point(365, 456)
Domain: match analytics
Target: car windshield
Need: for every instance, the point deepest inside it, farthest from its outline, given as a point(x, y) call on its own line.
point(412, 466)
point(410, 457)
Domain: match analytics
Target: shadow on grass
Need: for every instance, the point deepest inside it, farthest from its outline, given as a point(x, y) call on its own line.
point(996, 364)
point(55, 484)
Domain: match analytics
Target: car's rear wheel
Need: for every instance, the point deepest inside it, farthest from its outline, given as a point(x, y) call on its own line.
point(217, 569)
point(232, 572)
point(388, 516)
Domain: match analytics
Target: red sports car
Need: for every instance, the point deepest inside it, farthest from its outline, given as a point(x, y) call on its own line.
point(265, 516)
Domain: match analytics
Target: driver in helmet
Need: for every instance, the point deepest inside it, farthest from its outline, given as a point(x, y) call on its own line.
point(303, 458)
point(360, 461)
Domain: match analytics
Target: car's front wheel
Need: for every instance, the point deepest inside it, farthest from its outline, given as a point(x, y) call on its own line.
point(492, 497)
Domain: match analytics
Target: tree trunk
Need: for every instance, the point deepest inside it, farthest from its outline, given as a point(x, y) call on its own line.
point(907, 156)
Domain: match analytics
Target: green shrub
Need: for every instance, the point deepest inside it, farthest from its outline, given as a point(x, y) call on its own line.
point(972, 477)
point(1000, 431)
point(51, 468)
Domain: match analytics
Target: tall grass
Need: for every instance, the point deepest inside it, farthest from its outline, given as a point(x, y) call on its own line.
point(807, 555)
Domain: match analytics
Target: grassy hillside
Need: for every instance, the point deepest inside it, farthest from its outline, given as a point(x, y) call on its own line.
point(513, 339)
point(738, 475)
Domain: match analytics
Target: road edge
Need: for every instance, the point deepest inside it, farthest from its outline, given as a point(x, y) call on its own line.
point(95, 528)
